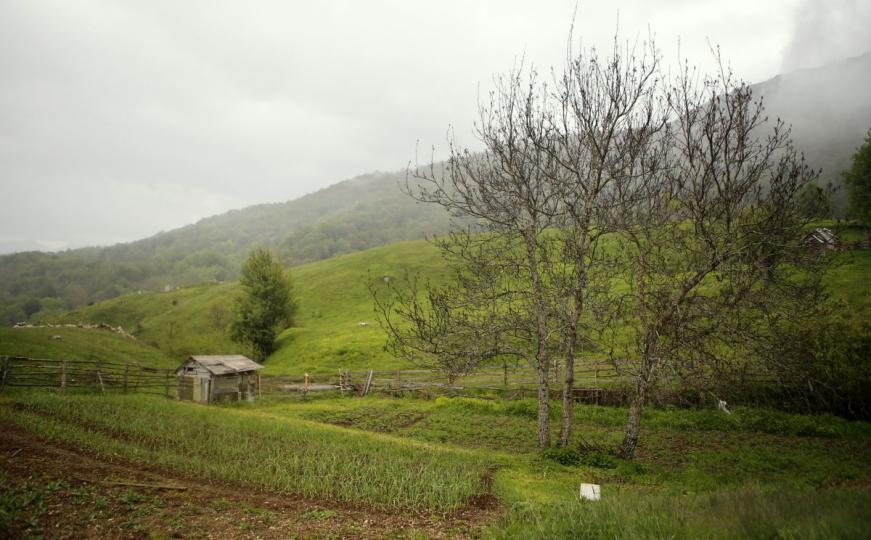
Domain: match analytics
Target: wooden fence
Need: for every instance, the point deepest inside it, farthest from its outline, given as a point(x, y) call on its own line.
point(592, 380)
point(98, 375)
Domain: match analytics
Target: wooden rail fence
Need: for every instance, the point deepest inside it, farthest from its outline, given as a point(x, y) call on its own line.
point(591, 380)
point(19, 371)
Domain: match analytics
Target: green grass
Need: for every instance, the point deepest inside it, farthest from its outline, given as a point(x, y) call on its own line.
point(243, 446)
point(753, 474)
point(180, 322)
point(334, 300)
point(80, 344)
point(849, 281)
point(742, 512)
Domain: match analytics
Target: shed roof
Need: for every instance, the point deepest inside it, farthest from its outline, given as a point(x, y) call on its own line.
point(227, 363)
point(822, 235)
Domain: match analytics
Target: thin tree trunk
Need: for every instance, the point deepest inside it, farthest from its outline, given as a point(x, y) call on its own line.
point(505, 373)
point(568, 400)
point(636, 408)
point(569, 381)
point(543, 406)
point(542, 356)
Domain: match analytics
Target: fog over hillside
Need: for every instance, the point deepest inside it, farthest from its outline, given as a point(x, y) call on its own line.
point(829, 108)
point(121, 119)
point(826, 107)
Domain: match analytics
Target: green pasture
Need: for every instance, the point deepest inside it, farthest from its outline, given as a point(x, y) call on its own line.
point(80, 344)
point(336, 326)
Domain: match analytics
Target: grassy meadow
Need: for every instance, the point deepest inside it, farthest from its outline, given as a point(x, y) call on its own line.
point(336, 326)
point(328, 335)
point(81, 344)
point(278, 454)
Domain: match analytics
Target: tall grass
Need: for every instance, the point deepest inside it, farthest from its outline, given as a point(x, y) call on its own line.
point(283, 455)
point(744, 512)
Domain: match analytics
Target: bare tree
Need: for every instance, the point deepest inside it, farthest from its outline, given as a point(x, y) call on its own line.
point(538, 193)
point(503, 262)
point(606, 118)
point(702, 240)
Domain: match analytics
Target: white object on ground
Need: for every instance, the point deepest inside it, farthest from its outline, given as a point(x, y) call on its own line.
point(722, 406)
point(590, 492)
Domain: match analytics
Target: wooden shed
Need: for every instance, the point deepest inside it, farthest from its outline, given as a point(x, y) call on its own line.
point(207, 379)
point(821, 239)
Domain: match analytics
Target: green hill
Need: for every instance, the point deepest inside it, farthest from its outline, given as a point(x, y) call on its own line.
point(353, 215)
point(336, 326)
point(829, 111)
point(81, 344)
point(333, 297)
point(828, 114)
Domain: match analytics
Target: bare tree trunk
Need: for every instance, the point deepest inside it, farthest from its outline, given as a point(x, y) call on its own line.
point(568, 400)
point(543, 406)
point(636, 408)
point(571, 348)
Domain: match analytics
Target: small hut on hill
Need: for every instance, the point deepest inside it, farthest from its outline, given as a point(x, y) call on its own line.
point(821, 239)
point(207, 379)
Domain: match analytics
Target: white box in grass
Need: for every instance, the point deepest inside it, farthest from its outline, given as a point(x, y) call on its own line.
point(591, 492)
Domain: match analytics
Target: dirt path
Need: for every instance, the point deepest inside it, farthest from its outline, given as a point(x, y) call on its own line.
point(56, 491)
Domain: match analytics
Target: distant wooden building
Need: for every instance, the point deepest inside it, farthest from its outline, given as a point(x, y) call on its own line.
point(821, 239)
point(209, 379)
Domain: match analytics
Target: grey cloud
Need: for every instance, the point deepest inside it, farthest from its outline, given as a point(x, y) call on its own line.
point(827, 30)
point(122, 118)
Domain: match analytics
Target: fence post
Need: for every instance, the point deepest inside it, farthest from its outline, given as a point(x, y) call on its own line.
point(368, 383)
point(63, 376)
point(596, 384)
point(100, 378)
point(166, 385)
point(126, 370)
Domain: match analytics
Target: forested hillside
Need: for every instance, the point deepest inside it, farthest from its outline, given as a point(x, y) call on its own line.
point(353, 215)
point(829, 108)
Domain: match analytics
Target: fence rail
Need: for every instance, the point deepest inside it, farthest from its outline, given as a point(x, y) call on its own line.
point(594, 381)
point(101, 376)
point(591, 380)
point(20, 371)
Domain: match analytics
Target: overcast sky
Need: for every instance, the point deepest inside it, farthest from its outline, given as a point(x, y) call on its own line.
point(119, 119)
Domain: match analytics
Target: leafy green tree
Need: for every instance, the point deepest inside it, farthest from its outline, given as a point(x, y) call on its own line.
point(266, 304)
point(858, 180)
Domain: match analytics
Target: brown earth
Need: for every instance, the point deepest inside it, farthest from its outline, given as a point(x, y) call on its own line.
point(52, 490)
